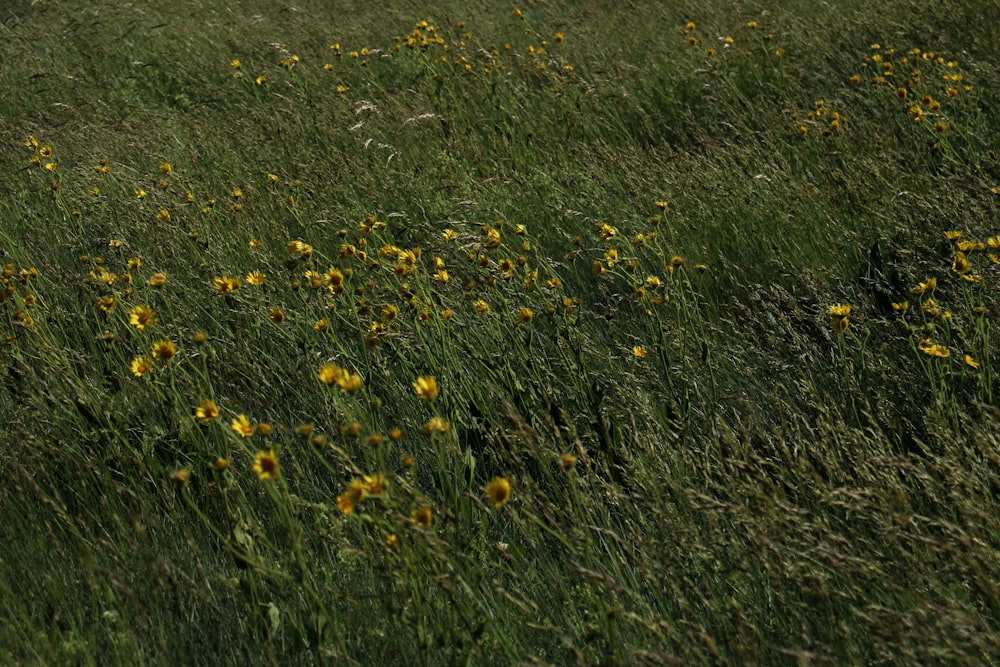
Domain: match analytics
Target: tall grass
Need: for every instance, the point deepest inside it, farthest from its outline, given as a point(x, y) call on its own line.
point(564, 333)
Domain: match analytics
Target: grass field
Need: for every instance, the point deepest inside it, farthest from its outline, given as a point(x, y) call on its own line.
point(556, 333)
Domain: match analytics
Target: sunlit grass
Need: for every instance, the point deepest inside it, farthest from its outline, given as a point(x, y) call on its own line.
point(563, 334)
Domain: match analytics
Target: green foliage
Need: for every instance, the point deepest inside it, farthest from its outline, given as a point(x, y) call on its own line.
point(713, 293)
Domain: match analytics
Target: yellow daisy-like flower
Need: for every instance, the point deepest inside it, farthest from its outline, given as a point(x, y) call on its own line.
point(925, 286)
point(256, 278)
point(970, 362)
point(839, 320)
point(436, 424)
point(497, 492)
point(276, 315)
point(207, 411)
point(164, 350)
point(423, 516)
point(426, 387)
point(349, 382)
point(163, 215)
point(960, 264)
point(142, 317)
point(226, 284)
point(347, 501)
point(266, 465)
point(374, 484)
point(481, 307)
point(525, 315)
point(106, 303)
point(934, 350)
point(141, 366)
point(241, 424)
point(840, 310)
point(328, 373)
point(639, 351)
point(157, 280)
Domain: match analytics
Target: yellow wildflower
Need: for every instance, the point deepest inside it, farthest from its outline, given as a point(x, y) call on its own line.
point(426, 387)
point(266, 465)
point(141, 366)
point(207, 411)
point(241, 424)
point(497, 492)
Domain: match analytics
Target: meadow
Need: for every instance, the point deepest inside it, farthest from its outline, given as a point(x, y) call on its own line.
point(545, 333)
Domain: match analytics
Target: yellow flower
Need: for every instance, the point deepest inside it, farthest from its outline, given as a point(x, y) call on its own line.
point(226, 284)
point(328, 373)
point(972, 363)
point(266, 465)
point(142, 317)
point(436, 424)
point(481, 306)
point(567, 461)
point(347, 501)
point(497, 492)
point(157, 280)
point(375, 484)
point(426, 387)
point(525, 315)
point(256, 278)
point(902, 306)
point(207, 411)
point(140, 193)
point(141, 366)
point(106, 303)
point(163, 215)
point(181, 476)
point(933, 350)
point(840, 310)
point(164, 350)
point(241, 424)
point(299, 248)
point(423, 516)
point(349, 382)
point(276, 314)
point(639, 351)
point(839, 320)
point(961, 263)
point(925, 286)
